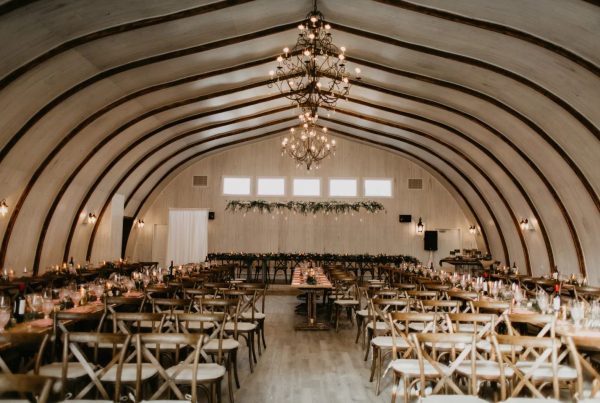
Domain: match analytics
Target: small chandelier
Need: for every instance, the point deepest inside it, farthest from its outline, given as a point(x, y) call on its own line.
point(309, 144)
point(313, 72)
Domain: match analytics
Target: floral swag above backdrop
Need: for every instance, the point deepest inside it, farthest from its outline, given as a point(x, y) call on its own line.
point(305, 208)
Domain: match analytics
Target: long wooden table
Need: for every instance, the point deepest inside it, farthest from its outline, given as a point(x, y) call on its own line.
point(311, 290)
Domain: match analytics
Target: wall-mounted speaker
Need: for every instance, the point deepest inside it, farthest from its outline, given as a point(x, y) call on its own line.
point(405, 218)
point(431, 240)
point(211, 215)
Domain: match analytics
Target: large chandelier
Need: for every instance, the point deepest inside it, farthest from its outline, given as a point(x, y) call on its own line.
point(309, 144)
point(313, 72)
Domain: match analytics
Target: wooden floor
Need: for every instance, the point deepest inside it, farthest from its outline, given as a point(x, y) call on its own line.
point(301, 366)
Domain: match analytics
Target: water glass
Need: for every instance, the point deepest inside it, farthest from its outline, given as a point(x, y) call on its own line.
point(577, 311)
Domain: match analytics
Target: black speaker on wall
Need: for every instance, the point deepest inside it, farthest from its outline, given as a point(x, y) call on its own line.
point(405, 218)
point(431, 240)
point(211, 215)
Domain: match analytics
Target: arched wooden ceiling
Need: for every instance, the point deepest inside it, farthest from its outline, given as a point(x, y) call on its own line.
point(496, 99)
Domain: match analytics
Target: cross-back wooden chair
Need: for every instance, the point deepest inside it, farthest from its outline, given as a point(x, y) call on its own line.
point(259, 316)
point(237, 326)
point(36, 388)
point(404, 363)
point(346, 298)
point(191, 371)
point(378, 324)
point(37, 341)
point(463, 362)
point(74, 348)
point(531, 376)
point(216, 346)
point(226, 307)
point(483, 306)
point(483, 325)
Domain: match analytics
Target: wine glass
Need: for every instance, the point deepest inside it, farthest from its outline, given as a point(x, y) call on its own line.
point(542, 300)
point(518, 296)
point(4, 317)
point(47, 307)
point(36, 303)
point(577, 312)
point(75, 297)
point(495, 290)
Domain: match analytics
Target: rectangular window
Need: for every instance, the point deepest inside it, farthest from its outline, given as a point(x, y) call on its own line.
point(236, 186)
point(378, 187)
point(271, 187)
point(343, 187)
point(307, 187)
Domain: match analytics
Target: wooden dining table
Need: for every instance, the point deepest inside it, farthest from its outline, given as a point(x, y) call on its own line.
point(322, 284)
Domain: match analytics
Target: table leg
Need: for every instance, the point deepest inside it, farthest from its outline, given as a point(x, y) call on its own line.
point(311, 314)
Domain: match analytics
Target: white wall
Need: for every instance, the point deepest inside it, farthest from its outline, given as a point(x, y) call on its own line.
point(380, 233)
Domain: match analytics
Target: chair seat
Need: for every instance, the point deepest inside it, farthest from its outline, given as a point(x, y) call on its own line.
point(487, 346)
point(488, 369)
point(529, 400)
point(228, 344)
point(417, 326)
point(346, 302)
point(411, 367)
point(469, 327)
point(388, 342)
point(363, 312)
point(54, 370)
point(446, 346)
point(378, 326)
point(129, 373)
point(74, 401)
point(241, 327)
point(544, 371)
point(452, 399)
point(205, 373)
point(257, 316)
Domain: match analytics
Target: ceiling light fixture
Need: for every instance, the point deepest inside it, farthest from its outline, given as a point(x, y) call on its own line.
point(309, 144)
point(92, 218)
point(3, 208)
point(312, 74)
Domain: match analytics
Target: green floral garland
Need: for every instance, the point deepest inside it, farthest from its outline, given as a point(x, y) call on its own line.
point(301, 207)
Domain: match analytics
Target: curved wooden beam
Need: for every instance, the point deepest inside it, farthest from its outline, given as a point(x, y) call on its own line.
point(589, 125)
point(114, 30)
point(498, 28)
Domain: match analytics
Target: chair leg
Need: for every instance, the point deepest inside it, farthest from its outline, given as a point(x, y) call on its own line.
point(218, 387)
point(395, 389)
point(368, 341)
point(229, 368)
point(337, 317)
point(378, 368)
point(235, 370)
point(262, 334)
point(359, 322)
point(373, 364)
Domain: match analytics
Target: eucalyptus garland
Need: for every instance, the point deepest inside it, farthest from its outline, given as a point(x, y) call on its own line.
point(302, 207)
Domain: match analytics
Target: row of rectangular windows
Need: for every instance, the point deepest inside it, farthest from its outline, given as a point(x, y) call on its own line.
point(306, 187)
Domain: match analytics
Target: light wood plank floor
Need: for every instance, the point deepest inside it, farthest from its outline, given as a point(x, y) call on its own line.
point(301, 366)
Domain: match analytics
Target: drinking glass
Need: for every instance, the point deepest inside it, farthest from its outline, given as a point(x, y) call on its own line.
point(4, 317)
point(595, 314)
point(4, 302)
point(75, 297)
point(542, 300)
point(495, 290)
point(577, 312)
point(47, 307)
point(36, 303)
point(518, 296)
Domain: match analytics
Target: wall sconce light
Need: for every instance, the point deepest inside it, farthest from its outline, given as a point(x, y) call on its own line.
point(3, 208)
point(140, 223)
point(524, 224)
point(92, 218)
point(472, 230)
point(420, 226)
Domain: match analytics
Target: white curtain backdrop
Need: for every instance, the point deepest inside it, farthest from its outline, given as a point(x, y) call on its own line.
point(188, 236)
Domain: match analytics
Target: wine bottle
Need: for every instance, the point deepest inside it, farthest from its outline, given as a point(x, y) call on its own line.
point(170, 271)
point(19, 304)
